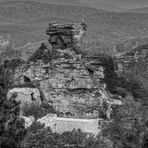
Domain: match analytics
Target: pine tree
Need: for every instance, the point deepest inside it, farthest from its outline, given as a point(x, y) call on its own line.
point(12, 128)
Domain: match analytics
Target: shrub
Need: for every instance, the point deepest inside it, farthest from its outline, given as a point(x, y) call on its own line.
point(37, 136)
point(12, 128)
point(127, 127)
point(42, 53)
point(37, 110)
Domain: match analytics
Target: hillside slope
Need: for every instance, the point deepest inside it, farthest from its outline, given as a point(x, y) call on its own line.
point(27, 21)
point(58, 2)
point(139, 10)
point(101, 4)
point(110, 5)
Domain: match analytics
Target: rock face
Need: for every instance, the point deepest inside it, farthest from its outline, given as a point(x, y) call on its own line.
point(66, 35)
point(73, 83)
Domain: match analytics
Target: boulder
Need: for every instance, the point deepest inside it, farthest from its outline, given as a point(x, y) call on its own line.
point(24, 96)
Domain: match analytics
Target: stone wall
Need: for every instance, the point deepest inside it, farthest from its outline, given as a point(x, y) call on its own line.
point(61, 125)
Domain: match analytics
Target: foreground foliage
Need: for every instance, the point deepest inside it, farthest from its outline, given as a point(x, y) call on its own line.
point(11, 126)
point(128, 128)
point(38, 110)
point(43, 53)
point(74, 139)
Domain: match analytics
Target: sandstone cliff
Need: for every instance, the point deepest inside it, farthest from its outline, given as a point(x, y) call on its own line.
point(69, 82)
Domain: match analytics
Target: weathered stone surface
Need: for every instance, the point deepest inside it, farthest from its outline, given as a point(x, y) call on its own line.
point(73, 83)
point(66, 35)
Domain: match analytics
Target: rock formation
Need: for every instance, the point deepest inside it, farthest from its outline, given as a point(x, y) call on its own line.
point(66, 35)
point(71, 82)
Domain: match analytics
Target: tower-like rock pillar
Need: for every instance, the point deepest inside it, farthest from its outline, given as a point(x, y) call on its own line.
point(66, 35)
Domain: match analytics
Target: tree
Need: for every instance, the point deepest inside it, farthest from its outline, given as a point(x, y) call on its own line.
point(75, 138)
point(7, 70)
point(110, 76)
point(12, 128)
point(34, 134)
point(128, 126)
point(145, 140)
point(43, 53)
point(37, 110)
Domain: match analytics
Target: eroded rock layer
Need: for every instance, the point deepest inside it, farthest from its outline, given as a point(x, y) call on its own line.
point(70, 82)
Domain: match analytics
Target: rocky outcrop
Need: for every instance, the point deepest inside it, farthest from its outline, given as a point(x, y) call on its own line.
point(71, 82)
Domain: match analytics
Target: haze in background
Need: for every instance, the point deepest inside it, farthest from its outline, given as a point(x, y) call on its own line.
point(110, 5)
point(123, 4)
